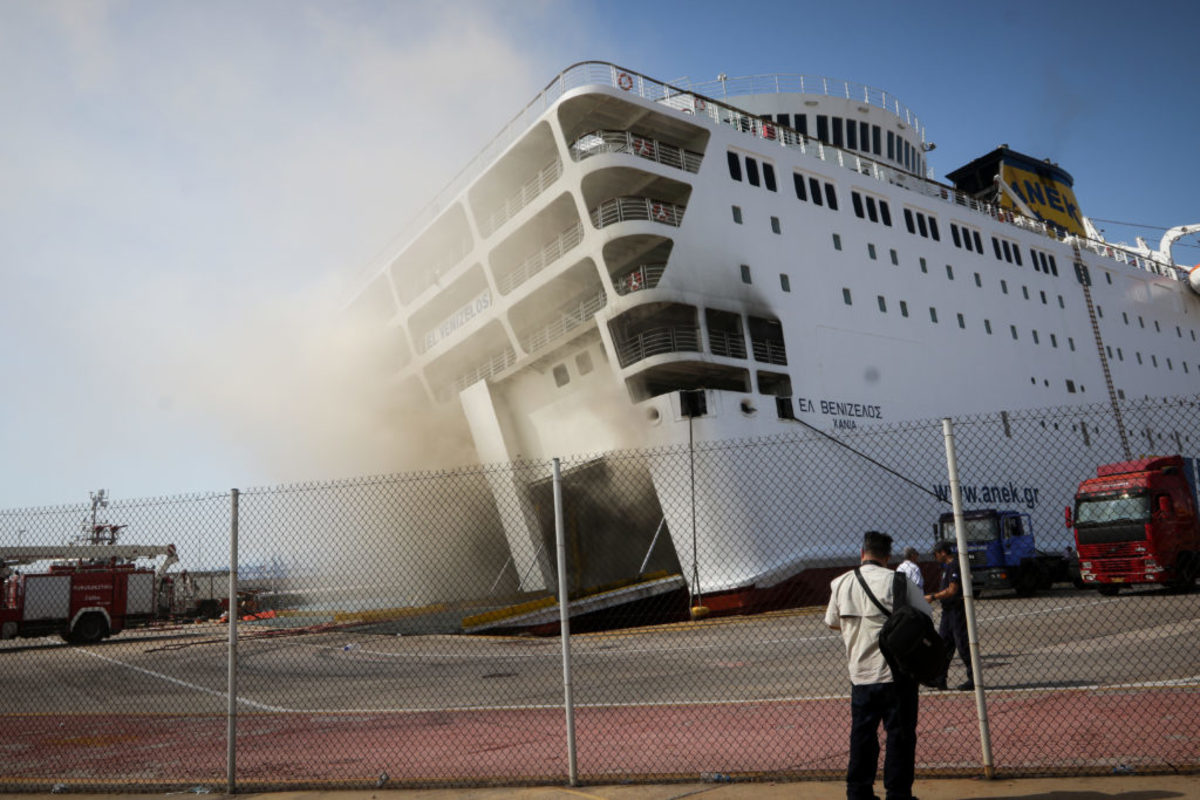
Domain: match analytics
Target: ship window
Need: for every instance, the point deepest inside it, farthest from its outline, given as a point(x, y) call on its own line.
point(978, 280)
point(1043, 296)
point(752, 171)
point(908, 222)
point(1061, 303)
point(846, 297)
point(735, 166)
point(1045, 263)
point(885, 213)
point(962, 322)
point(823, 127)
point(1154, 360)
point(561, 376)
point(1004, 286)
point(783, 119)
point(1007, 251)
point(1025, 291)
point(838, 139)
point(996, 247)
point(837, 242)
point(769, 176)
point(872, 212)
point(831, 196)
point(775, 225)
point(949, 272)
point(583, 362)
point(856, 201)
point(785, 282)
point(1157, 329)
point(1070, 386)
point(1185, 367)
point(1108, 277)
point(802, 123)
point(864, 135)
point(798, 182)
point(1013, 330)
point(776, 384)
point(1193, 334)
point(882, 304)
point(1120, 355)
point(737, 214)
point(1035, 337)
point(745, 273)
point(933, 229)
point(1141, 322)
point(1169, 365)
point(1016, 254)
point(1053, 340)
point(1071, 344)
point(1139, 357)
point(871, 250)
point(921, 225)
point(895, 256)
point(932, 314)
point(891, 139)
point(814, 189)
point(987, 326)
point(1178, 332)
point(852, 134)
point(924, 265)
point(1125, 316)
point(1053, 267)
point(876, 137)
point(954, 235)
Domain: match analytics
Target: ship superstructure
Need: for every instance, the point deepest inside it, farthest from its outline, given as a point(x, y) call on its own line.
point(634, 264)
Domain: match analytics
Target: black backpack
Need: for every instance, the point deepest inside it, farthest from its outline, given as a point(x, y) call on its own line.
point(908, 641)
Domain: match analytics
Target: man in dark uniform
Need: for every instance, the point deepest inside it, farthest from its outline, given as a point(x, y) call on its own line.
point(953, 626)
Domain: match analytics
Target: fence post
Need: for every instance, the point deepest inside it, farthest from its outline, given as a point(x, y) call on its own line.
point(564, 616)
point(964, 566)
point(231, 713)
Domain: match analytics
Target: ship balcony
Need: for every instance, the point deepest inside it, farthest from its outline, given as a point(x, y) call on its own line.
point(446, 385)
point(530, 190)
point(574, 314)
point(768, 351)
point(657, 341)
point(553, 250)
point(626, 209)
point(645, 276)
point(598, 142)
point(729, 345)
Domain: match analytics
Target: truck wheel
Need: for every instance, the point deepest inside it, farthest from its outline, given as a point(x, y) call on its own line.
point(1108, 589)
point(90, 629)
point(1188, 565)
point(1026, 582)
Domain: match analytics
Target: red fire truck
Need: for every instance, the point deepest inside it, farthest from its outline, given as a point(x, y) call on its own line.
point(1137, 522)
point(88, 592)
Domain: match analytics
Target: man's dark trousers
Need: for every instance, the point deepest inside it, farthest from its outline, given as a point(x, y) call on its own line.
point(953, 630)
point(894, 704)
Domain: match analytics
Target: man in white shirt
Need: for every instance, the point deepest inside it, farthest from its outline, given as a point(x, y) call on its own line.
point(876, 694)
point(911, 569)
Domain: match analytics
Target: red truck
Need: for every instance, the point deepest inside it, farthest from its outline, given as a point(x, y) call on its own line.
point(1136, 522)
point(88, 593)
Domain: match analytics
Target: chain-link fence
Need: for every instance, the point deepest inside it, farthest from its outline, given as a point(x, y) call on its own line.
point(403, 630)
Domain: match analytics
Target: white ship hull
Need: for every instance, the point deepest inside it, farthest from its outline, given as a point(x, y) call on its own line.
point(605, 261)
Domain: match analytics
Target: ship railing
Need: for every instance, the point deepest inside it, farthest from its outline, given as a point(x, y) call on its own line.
point(645, 276)
point(657, 341)
point(529, 191)
point(544, 257)
point(413, 285)
point(574, 314)
point(769, 351)
point(625, 209)
point(597, 142)
point(728, 344)
point(493, 365)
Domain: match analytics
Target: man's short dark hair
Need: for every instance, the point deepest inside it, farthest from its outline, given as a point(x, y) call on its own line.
point(877, 544)
point(911, 553)
point(943, 546)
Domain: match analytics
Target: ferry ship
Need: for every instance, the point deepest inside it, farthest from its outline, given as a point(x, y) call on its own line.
point(632, 263)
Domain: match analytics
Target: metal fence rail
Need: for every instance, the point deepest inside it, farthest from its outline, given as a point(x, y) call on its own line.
point(402, 630)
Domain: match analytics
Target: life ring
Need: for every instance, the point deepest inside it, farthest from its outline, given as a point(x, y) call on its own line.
point(624, 81)
point(659, 212)
point(699, 104)
point(642, 147)
point(768, 130)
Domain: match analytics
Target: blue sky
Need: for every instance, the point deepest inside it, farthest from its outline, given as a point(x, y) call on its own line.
point(188, 187)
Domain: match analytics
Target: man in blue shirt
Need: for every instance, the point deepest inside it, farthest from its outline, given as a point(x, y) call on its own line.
point(953, 626)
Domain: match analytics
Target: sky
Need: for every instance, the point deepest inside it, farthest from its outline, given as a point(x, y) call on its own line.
point(189, 190)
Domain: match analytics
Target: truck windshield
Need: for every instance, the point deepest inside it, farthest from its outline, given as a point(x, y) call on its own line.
point(976, 530)
point(1114, 508)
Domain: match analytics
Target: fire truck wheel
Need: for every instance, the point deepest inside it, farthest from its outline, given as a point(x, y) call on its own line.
point(90, 629)
point(1187, 567)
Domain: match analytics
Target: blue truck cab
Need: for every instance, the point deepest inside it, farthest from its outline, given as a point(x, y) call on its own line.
point(1002, 551)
